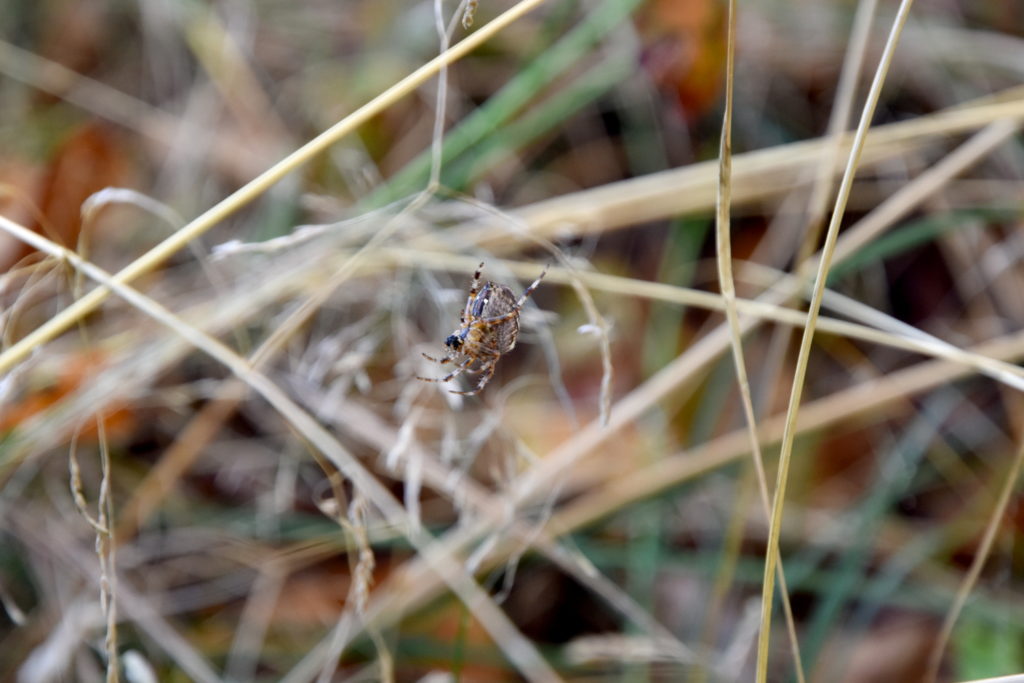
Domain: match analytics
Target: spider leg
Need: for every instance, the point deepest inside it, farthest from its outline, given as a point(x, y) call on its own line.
point(497, 320)
point(457, 371)
point(476, 371)
point(488, 371)
point(442, 361)
point(529, 290)
point(473, 289)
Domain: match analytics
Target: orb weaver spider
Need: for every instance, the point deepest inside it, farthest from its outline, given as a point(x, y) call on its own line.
point(488, 328)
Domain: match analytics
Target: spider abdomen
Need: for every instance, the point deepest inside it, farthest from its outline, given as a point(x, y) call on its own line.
point(496, 301)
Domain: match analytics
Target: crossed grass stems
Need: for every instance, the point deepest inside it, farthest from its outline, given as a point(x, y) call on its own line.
point(616, 421)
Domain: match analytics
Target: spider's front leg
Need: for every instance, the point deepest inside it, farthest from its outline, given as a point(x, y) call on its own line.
point(457, 371)
point(487, 368)
point(491, 357)
point(442, 361)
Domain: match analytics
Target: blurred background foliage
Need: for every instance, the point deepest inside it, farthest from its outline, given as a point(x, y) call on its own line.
point(230, 536)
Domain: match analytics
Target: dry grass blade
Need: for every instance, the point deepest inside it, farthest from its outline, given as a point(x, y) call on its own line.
point(789, 434)
point(867, 398)
point(755, 175)
point(977, 564)
point(134, 604)
point(256, 187)
point(838, 123)
point(899, 204)
point(876, 329)
point(259, 486)
point(849, 403)
point(416, 584)
point(723, 242)
point(519, 650)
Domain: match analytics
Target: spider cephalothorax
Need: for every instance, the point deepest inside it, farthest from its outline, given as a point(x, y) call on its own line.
point(488, 328)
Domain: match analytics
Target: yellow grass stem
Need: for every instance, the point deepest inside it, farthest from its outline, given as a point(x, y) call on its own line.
point(520, 651)
point(723, 242)
point(799, 374)
point(256, 187)
point(980, 556)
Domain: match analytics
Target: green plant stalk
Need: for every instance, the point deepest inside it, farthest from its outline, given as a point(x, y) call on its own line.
point(663, 331)
point(511, 99)
point(644, 555)
point(914, 234)
point(563, 104)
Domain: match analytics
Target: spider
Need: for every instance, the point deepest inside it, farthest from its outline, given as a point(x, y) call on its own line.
point(488, 328)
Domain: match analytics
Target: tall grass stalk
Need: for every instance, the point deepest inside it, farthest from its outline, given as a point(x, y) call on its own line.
point(977, 564)
point(825, 262)
point(723, 244)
